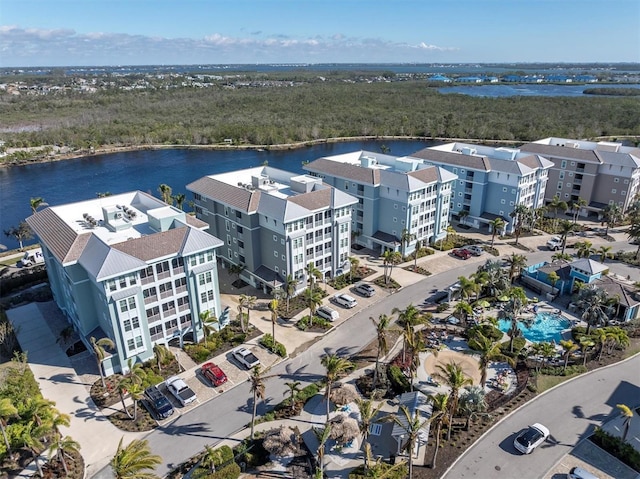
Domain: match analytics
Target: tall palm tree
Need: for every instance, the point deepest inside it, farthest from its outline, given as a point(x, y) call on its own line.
point(293, 387)
point(472, 402)
point(257, 379)
point(162, 354)
point(313, 274)
point(354, 263)
point(368, 413)
point(389, 260)
point(556, 205)
point(36, 203)
point(210, 458)
point(412, 424)
point(60, 446)
point(124, 384)
point(136, 392)
point(592, 302)
point(322, 435)
point(289, 287)
point(209, 324)
point(466, 287)
point(576, 206)
point(179, 199)
point(612, 214)
point(455, 378)
point(335, 368)
point(165, 193)
point(416, 253)
point(463, 214)
point(313, 298)
point(512, 312)
point(605, 252)
point(406, 237)
point(489, 351)
point(381, 335)
point(7, 411)
point(497, 225)
point(519, 214)
point(462, 311)
point(273, 308)
point(134, 461)
point(633, 233)
point(410, 315)
point(439, 404)
point(569, 347)
point(627, 415)
point(100, 347)
point(516, 263)
point(584, 249)
point(564, 228)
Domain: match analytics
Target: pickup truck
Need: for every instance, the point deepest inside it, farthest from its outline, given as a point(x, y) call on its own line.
point(555, 243)
point(183, 393)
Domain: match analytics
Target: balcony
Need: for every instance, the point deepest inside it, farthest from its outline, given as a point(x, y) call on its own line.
point(148, 279)
point(150, 299)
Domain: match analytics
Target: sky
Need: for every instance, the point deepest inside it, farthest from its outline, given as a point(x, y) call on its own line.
point(182, 32)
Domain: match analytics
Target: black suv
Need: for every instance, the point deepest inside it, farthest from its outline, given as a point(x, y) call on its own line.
point(157, 403)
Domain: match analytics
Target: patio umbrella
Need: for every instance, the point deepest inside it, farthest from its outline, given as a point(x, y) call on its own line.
point(281, 442)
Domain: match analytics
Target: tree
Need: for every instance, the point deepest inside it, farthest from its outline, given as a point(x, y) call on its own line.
point(134, 460)
point(412, 424)
point(273, 308)
point(406, 237)
point(611, 215)
point(256, 379)
point(576, 206)
point(136, 391)
point(497, 226)
point(313, 298)
point(293, 389)
point(162, 354)
point(36, 203)
point(633, 233)
point(20, 233)
point(553, 278)
point(516, 263)
point(518, 214)
point(7, 411)
point(313, 274)
point(565, 227)
point(99, 350)
point(322, 435)
point(289, 287)
point(561, 256)
point(60, 446)
point(246, 301)
point(592, 303)
point(354, 263)
point(381, 335)
point(389, 260)
point(416, 253)
point(335, 368)
point(584, 249)
point(472, 403)
point(556, 205)
point(179, 199)
point(165, 193)
point(569, 347)
point(604, 252)
point(627, 415)
point(209, 324)
point(489, 351)
point(210, 458)
point(368, 413)
point(236, 270)
point(439, 404)
point(463, 214)
point(462, 311)
point(512, 312)
point(454, 377)
point(29, 438)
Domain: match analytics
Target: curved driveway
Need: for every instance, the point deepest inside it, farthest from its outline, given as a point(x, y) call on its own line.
point(571, 411)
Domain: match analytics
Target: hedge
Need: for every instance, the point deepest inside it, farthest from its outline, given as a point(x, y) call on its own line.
point(267, 342)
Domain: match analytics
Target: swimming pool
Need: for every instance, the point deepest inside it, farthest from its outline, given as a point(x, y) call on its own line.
point(545, 328)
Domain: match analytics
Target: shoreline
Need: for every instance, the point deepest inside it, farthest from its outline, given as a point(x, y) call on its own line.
point(105, 150)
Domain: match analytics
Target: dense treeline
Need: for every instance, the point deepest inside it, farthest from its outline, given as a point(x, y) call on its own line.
point(274, 115)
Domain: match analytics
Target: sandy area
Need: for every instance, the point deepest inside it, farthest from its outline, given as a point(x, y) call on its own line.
point(469, 363)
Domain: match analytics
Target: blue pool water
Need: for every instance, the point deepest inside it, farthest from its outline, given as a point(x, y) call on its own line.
point(545, 328)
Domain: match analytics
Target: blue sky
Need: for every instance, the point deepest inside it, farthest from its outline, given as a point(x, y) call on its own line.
point(135, 32)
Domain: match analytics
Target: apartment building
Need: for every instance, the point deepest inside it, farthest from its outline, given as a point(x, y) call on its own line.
point(274, 223)
point(393, 194)
point(601, 173)
point(131, 268)
point(490, 181)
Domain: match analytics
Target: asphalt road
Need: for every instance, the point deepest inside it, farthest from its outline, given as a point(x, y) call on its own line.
point(224, 415)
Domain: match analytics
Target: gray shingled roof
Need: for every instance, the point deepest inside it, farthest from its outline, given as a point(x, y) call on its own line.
point(314, 200)
point(614, 289)
point(453, 158)
point(553, 151)
point(346, 171)
point(102, 261)
point(158, 245)
point(237, 197)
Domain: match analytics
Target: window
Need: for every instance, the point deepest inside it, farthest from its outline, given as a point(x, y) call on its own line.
point(504, 189)
point(560, 184)
point(563, 164)
point(613, 191)
point(152, 312)
point(162, 267)
point(204, 278)
point(616, 180)
point(149, 293)
point(623, 193)
point(561, 176)
point(180, 282)
point(128, 304)
point(275, 238)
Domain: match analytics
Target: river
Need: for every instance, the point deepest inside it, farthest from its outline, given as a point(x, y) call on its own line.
point(80, 179)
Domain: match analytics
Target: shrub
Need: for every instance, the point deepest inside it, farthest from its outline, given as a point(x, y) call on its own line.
point(442, 307)
point(617, 448)
point(518, 344)
point(560, 371)
point(399, 381)
point(198, 352)
point(308, 392)
point(279, 348)
point(487, 330)
point(303, 323)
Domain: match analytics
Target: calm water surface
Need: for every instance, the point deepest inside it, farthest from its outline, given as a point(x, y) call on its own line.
point(81, 179)
point(535, 89)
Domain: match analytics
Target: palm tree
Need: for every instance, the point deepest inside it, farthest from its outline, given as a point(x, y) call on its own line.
point(564, 228)
point(633, 233)
point(179, 199)
point(39, 409)
point(466, 287)
point(354, 263)
point(410, 315)
point(605, 252)
point(165, 193)
point(439, 404)
point(472, 403)
point(29, 438)
point(335, 368)
point(569, 347)
point(134, 460)
point(136, 392)
point(561, 256)
point(462, 311)
point(553, 278)
point(576, 206)
point(99, 350)
point(586, 343)
point(322, 435)
point(209, 322)
point(389, 260)
point(519, 214)
point(556, 205)
point(21, 233)
point(7, 411)
point(612, 214)
point(516, 262)
point(412, 424)
point(162, 354)
point(124, 384)
point(512, 312)
point(368, 413)
point(489, 351)
point(257, 379)
point(592, 303)
point(273, 308)
point(416, 253)
point(293, 389)
point(210, 458)
point(313, 298)
point(60, 446)
point(584, 249)
point(313, 274)
point(627, 415)
point(289, 287)
point(406, 237)
point(246, 301)
point(36, 203)
point(453, 376)
point(383, 347)
point(463, 214)
point(496, 225)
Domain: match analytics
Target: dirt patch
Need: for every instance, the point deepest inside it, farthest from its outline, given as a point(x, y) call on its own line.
point(468, 363)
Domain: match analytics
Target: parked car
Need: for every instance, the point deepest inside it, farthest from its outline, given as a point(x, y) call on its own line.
point(475, 250)
point(580, 473)
point(345, 301)
point(365, 289)
point(183, 393)
point(555, 243)
point(213, 373)
point(245, 357)
point(530, 438)
point(157, 403)
point(32, 258)
point(325, 312)
point(461, 253)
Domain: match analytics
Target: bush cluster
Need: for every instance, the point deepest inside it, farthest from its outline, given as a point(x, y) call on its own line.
point(561, 371)
point(399, 381)
point(278, 348)
point(617, 448)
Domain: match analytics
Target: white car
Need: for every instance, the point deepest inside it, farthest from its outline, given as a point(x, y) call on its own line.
point(555, 243)
point(530, 438)
point(325, 312)
point(245, 357)
point(345, 301)
point(475, 250)
point(183, 393)
point(365, 290)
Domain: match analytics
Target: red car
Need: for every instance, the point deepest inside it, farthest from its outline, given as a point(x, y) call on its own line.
point(461, 253)
point(214, 374)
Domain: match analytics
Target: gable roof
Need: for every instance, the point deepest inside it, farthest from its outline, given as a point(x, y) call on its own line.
point(237, 197)
point(473, 162)
point(346, 171)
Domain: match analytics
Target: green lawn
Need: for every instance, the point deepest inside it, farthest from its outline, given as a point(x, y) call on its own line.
point(545, 382)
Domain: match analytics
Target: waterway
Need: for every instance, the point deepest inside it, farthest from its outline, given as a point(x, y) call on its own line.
point(80, 179)
point(532, 89)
